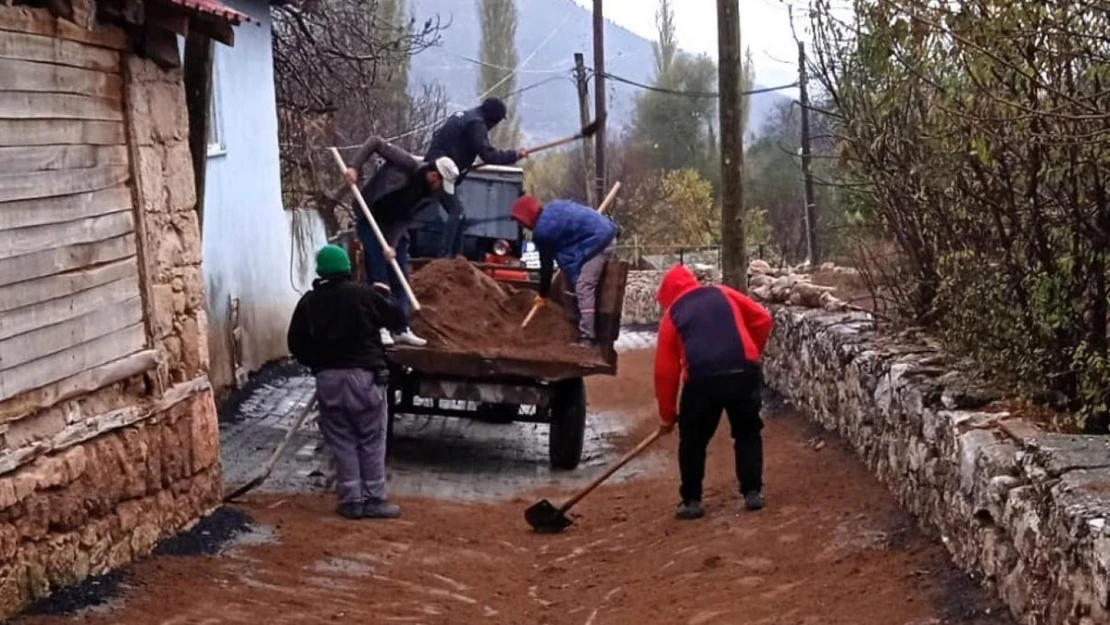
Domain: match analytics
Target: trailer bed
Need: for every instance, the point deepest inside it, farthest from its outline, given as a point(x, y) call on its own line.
point(436, 362)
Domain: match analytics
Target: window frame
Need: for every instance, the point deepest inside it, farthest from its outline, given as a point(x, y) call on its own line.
point(216, 142)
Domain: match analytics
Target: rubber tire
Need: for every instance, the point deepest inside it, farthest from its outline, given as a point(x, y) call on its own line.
point(568, 424)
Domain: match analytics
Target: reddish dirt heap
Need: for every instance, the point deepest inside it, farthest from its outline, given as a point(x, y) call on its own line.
point(465, 311)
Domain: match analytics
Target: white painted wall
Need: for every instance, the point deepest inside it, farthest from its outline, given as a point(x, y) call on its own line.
point(247, 233)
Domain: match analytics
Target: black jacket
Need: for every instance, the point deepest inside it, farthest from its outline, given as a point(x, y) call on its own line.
point(465, 137)
point(337, 325)
point(397, 191)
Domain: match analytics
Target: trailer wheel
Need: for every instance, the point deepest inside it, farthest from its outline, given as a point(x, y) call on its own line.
point(568, 424)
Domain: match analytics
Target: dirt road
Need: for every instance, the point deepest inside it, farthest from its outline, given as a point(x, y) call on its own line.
point(830, 548)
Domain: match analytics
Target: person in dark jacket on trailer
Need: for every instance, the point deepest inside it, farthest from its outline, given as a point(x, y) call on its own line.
point(463, 138)
point(581, 240)
point(399, 190)
point(335, 333)
point(711, 337)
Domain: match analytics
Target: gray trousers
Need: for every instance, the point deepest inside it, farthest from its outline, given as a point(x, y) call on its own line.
point(585, 291)
point(353, 416)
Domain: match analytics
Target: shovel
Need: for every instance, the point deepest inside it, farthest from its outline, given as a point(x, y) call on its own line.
point(269, 466)
point(587, 131)
point(377, 232)
point(545, 518)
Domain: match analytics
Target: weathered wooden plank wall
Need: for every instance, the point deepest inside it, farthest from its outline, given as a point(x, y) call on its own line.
point(70, 292)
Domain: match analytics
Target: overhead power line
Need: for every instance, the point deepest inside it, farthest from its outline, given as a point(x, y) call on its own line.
point(508, 97)
point(692, 94)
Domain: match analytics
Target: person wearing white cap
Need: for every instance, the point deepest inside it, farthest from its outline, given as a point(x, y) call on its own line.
point(396, 193)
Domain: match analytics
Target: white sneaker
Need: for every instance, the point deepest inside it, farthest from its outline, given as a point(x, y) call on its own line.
point(408, 338)
point(387, 338)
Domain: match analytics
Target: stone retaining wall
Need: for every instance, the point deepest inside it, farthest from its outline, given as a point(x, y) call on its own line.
point(1022, 509)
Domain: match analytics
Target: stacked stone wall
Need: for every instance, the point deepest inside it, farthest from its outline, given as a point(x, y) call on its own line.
point(1021, 508)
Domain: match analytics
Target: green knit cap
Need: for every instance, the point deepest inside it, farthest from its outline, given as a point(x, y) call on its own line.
point(332, 260)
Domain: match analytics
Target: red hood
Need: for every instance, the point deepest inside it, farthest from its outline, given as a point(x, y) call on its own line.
point(526, 211)
point(675, 284)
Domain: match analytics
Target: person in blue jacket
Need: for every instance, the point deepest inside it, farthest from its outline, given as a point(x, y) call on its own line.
point(581, 240)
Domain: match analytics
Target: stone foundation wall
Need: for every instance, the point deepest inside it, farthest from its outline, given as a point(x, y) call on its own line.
point(95, 506)
point(1024, 510)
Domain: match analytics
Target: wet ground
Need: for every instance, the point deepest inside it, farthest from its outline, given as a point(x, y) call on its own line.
point(831, 548)
point(447, 458)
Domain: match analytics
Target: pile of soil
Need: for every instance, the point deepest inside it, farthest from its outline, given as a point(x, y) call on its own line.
point(465, 311)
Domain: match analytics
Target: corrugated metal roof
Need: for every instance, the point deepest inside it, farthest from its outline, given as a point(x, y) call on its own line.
point(216, 8)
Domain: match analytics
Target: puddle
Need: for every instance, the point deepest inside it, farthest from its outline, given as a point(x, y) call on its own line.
point(254, 536)
point(344, 566)
point(471, 461)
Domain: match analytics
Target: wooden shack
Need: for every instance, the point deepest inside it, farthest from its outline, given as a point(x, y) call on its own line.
point(108, 433)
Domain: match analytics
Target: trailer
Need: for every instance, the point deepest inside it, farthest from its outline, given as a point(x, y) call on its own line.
point(428, 381)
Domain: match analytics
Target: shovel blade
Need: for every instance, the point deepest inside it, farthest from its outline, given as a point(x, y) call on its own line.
point(546, 518)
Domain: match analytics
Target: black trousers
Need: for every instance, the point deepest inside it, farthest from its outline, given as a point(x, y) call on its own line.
point(453, 227)
point(700, 407)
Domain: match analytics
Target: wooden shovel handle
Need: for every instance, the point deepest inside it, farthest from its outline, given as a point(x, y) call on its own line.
point(531, 313)
point(377, 232)
point(612, 195)
point(636, 451)
point(554, 144)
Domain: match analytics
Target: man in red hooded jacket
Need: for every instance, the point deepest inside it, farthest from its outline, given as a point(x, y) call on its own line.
point(710, 338)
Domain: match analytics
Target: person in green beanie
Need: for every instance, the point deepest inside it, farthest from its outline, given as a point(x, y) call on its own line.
point(336, 332)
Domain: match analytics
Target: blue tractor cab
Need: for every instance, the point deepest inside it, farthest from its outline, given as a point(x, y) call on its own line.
point(487, 194)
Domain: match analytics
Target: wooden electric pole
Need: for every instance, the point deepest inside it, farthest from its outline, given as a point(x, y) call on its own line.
point(734, 263)
point(599, 97)
point(813, 253)
point(584, 114)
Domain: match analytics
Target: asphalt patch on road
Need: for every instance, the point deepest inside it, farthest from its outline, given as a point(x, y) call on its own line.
point(208, 536)
point(93, 592)
point(229, 408)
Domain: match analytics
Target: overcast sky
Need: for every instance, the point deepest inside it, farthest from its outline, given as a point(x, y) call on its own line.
point(764, 27)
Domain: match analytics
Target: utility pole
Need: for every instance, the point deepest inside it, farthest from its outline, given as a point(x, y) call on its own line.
point(599, 97)
point(584, 114)
point(813, 255)
point(734, 263)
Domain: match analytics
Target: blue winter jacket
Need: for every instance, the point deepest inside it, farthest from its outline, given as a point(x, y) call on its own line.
point(571, 234)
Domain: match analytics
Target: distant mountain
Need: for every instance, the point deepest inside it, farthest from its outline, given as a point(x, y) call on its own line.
point(550, 109)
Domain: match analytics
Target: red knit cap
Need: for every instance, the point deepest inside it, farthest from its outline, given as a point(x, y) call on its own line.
point(526, 211)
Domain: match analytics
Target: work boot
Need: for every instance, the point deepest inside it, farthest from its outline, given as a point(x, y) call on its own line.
point(753, 500)
point(380, 509)
point(689, 510)
point(387, 338)
point(351, 510)
point(408, 338)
